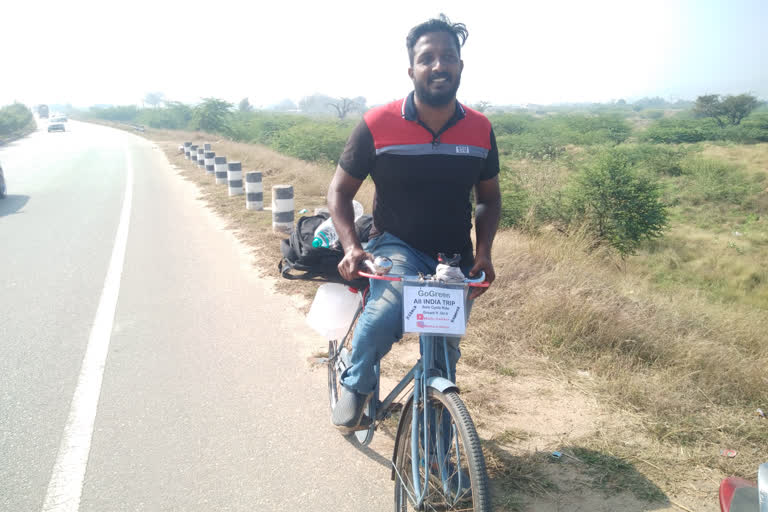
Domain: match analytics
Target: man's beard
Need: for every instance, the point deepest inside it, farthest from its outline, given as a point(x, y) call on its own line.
point(437, 99)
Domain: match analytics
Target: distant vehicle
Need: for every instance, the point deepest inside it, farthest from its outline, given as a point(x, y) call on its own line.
point(42, 111)
point(57, 126)
point(2, 183)
point(59, 119)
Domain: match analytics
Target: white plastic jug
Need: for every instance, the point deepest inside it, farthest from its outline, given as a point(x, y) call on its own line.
point(332, 310)
point(358, 208)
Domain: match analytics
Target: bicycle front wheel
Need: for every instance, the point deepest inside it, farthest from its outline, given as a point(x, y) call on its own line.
point(456, 479)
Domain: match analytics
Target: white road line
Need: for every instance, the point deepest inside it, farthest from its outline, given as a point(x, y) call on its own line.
point(66, 485)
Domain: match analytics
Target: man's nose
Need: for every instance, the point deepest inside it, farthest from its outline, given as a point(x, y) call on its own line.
point(438, 65)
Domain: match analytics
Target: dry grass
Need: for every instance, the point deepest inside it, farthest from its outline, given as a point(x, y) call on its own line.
point(693, 372)
point(684, 375)
point(754, 157)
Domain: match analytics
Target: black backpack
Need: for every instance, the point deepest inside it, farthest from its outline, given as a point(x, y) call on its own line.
point(302, 261)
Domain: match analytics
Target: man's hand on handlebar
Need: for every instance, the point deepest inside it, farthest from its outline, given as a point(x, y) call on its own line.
point(352, 262)
point(482, 263)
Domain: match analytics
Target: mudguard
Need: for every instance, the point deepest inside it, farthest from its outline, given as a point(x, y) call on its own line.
point(442, 384)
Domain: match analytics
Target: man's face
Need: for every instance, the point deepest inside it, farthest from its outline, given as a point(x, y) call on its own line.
point(436, 69)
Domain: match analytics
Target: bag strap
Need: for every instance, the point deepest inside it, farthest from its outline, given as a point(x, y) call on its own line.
point(286, 268)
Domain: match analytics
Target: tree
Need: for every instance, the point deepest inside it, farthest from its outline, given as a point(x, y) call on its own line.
point(316, 104)
point(320, 103)
point(212, 115)
point(732, 108)
point(736, 108)
point(709, 105)
point(622, 206)
point(482, 106)
point(154, 98)
point(244, 106)
point(344, 106)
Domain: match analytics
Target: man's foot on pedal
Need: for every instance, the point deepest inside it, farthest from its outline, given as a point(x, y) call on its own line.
point(349, 409)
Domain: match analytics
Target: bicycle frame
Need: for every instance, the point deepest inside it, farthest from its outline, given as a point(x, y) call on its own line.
point(423, 376)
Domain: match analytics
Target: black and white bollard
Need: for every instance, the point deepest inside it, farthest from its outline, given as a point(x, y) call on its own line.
point(254, 191)
point(207, 146)
point(220, 169)
point(187, 145)
point(193, 153)
point(201, 158)
point(235, 179)
point(209, 156)
point(282, 208)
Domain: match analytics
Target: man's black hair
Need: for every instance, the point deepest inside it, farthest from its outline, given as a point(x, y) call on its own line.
point(441, 24)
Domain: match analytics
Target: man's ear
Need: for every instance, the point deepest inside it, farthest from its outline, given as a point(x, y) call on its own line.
point(410, 73)
point(461, 66)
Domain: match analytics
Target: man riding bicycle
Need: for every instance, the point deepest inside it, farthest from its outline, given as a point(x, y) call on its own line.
point(425, 154)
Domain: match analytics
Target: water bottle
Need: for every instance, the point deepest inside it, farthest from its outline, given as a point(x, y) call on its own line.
point(325, 234)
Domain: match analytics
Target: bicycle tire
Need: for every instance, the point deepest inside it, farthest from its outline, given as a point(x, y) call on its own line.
point(471, 461)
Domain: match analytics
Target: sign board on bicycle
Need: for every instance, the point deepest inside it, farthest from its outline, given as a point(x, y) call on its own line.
point(434, 310)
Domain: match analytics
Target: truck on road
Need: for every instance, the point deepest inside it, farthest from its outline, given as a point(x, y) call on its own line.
point(42, 111)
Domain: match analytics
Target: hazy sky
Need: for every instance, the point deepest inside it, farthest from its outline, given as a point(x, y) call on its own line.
point(540, 51)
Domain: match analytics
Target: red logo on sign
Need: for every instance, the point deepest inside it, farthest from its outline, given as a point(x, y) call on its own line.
point(419, 316)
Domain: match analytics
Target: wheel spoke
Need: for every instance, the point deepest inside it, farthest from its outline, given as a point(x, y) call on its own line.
point(451, 484)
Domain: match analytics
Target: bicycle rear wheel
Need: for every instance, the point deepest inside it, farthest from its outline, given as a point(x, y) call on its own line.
point(458, 481)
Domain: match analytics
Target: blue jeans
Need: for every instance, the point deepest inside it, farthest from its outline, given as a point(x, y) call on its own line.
point(381, 323)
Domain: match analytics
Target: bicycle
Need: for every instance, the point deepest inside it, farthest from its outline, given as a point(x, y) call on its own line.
point(438, 463)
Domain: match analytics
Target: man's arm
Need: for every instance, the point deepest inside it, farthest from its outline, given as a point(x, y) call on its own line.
point(340, 194)
point(487, 213)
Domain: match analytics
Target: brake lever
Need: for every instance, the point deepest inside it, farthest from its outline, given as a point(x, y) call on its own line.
point(381, 265)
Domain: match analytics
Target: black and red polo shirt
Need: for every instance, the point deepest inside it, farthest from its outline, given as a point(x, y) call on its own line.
point(423, 179)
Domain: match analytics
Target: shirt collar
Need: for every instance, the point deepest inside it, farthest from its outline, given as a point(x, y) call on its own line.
point(409, 113)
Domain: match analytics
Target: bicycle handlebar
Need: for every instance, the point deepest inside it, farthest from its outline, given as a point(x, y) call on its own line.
point(381, 267)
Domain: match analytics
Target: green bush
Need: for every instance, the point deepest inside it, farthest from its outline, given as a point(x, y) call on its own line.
point(125, 113)
point(16, 120)
point(619, 204)
point(515, 201)
point(683, 129)
point(586, 130)
point(212, 115)
point(529, 145)
point(263, 127)
point(652, 114)
point(525, 136)
point(660, 159)
point(313, 141)
point(175, 116)
point(511, 124)
point(675, 131)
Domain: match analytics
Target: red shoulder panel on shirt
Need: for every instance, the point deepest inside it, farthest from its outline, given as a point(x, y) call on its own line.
point(389, 128)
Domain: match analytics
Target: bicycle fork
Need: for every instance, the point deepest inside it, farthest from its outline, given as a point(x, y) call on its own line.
point(427, 421)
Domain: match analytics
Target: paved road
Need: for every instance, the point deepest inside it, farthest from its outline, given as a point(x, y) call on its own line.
point(205, 402)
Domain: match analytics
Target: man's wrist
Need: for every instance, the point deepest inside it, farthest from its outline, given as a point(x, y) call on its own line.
point(353, 247)
point(483, 251)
